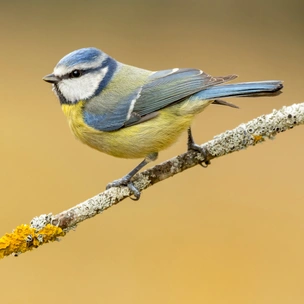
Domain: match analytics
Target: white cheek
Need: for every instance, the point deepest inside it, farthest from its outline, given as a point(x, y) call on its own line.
point(81, 88)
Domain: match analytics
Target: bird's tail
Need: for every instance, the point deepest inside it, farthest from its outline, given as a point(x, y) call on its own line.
point(250, 89)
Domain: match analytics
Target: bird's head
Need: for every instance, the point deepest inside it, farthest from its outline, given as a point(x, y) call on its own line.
point(81, 75)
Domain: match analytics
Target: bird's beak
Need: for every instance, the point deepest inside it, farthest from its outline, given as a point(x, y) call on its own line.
point(51, 78)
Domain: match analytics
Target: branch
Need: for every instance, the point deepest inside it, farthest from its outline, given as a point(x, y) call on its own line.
point(46, 228)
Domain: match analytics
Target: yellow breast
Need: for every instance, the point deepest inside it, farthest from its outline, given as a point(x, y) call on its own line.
point(132, 142)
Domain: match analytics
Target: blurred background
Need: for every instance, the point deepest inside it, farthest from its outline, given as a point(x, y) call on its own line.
point(232, 233)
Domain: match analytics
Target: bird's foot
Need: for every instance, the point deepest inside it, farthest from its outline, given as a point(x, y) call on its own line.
point(125, 181)
point(203, 151)
point(194, 147)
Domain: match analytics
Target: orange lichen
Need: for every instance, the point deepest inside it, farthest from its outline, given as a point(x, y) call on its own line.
point(25, 238)
point(258, 138)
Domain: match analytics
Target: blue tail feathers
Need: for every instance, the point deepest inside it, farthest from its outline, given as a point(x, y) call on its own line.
point(259, 88)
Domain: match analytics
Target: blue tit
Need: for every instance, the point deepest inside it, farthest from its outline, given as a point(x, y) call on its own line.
point(130, 112)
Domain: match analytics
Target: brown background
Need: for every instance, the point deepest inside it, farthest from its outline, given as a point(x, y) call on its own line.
point(233, 233)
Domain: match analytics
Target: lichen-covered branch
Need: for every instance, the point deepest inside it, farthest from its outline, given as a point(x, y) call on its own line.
point(45, 228)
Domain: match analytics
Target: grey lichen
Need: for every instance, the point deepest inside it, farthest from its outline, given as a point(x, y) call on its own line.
point(39, 222)
point(257, 130)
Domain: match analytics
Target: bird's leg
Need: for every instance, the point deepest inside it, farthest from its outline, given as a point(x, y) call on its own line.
point(126, 180)
point(193, 146)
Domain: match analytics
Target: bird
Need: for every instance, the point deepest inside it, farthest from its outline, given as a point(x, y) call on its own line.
point(130, 112)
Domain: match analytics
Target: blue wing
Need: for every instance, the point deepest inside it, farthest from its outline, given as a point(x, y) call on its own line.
point(161, 89)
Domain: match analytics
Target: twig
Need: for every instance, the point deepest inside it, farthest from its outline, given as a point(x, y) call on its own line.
point(45, 228)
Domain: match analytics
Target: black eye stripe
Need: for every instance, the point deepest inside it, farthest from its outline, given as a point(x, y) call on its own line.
point(82, 72)
point(74, 74)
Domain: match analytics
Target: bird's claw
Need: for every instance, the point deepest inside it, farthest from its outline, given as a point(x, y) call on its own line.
point(127, 183)
point(203, 151)
point(135, 192)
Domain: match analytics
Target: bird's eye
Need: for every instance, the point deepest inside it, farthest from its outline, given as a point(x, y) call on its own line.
point(75, 74)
